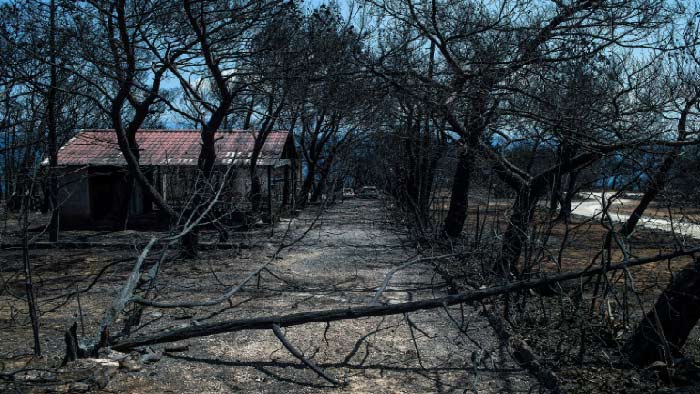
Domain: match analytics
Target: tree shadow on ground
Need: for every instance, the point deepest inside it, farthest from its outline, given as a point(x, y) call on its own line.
point(432, 373)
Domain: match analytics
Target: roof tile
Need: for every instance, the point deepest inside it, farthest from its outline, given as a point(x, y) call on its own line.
point(169, 147)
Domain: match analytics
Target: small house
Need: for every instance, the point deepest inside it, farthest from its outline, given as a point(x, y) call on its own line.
point(95, 188)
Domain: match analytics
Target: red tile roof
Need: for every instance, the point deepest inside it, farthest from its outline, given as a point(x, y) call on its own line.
point(169, 147)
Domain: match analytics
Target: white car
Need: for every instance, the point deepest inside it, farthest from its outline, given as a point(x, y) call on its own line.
point(348, 192)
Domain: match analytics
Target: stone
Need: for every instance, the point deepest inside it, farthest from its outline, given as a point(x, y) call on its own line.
point(79, 387)
point(150, 358)
point(130, 364)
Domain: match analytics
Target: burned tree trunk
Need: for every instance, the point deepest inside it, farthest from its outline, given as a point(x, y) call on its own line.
point(418, 160)
point(255, 184)
point(457, 213)
point(660, 336)
point(318, 188)
point(205, 164)
point(53, 127)
point(556, 198)
point(565, 208)
point(658, 181)
point(515, 236)
point(32, 304)
point(324, 171)
point(307, 184)
point(430, 160)
point(273, 114)
point(207, 155)
point(126, 195)
point(133, 147)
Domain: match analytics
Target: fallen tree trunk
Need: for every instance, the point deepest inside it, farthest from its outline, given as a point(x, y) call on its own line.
point(523, 354)
point(74, 350)
point(117, 245)
point(660, 336)
point(267, 322)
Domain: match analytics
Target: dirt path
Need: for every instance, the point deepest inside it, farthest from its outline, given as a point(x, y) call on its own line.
point(340, 262)
point(592, 207)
